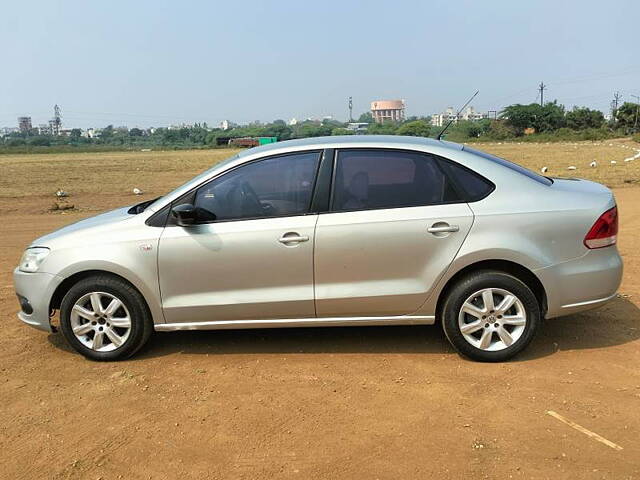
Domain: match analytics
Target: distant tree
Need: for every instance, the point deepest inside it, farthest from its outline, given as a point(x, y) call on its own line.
point(386, 128)
point(311, 129)
point(581, 118)
point(40, 141)
point(416, 128)
point(626, 117)
point(342, 131)
point(279, 122)
point(500, 130)
point(280, 130)
point(365, 117)
point(107, 132)
point(75, 134)
point(542, 118)
point(16, 142)
point(135, 132)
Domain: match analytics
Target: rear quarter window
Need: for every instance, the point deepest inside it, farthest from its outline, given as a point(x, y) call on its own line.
point(471, 185)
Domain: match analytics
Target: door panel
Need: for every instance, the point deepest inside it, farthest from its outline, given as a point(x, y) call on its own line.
point(384, 262)
point(250, 269)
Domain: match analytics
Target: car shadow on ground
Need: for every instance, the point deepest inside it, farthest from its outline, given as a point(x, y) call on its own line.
point(616, 323)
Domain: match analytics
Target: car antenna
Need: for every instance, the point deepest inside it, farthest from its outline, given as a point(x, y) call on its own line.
point(439, 137)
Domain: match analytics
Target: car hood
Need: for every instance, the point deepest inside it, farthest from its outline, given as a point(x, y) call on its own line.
point(96, 223)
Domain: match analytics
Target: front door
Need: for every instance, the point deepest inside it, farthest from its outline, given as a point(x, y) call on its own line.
point(395, 225)
point(251, 255)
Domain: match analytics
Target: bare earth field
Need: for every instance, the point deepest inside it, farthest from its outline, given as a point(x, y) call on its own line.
point(386, 402)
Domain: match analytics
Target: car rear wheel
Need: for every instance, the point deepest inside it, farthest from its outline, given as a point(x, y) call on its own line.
point(490, 316)
point(105, 318)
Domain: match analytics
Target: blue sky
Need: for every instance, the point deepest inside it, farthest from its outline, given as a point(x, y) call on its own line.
point(144, 63)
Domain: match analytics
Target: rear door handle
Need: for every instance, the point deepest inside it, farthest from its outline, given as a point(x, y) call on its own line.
point(443, 228)
point(292, 237)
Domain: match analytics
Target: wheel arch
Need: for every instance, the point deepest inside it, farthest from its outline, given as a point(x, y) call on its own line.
point(517, 270)
point(71, 280)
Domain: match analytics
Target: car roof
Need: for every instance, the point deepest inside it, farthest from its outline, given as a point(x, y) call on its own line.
point(345, 141)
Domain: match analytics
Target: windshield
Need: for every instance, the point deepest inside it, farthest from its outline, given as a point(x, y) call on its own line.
point(152, 205)
point(513, 166)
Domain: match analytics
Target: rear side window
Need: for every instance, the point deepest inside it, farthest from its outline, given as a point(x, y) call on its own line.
point(373, 179)
point(513, 166)
point(473, 186)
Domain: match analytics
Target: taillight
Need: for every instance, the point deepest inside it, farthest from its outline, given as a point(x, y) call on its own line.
point(605, 231)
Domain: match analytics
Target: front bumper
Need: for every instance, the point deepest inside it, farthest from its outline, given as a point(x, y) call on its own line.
point(37, 288)
point(583, 283)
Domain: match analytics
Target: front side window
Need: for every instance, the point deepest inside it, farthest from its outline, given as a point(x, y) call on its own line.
point(372, 179)
point(273, 187)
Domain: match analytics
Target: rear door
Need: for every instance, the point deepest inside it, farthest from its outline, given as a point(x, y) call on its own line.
point(395, 224)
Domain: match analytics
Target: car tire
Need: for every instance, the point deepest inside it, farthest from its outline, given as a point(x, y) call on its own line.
point(485, 329)
point(105, 318)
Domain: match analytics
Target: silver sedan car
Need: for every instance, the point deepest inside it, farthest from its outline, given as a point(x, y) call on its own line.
point(334, 231)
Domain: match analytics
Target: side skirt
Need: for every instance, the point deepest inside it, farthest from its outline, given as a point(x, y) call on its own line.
point(297, 322)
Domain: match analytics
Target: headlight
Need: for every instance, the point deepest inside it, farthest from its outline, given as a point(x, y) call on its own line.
point(32, 258)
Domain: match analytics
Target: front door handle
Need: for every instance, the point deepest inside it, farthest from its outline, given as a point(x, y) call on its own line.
point(442, 227)
point(291, 238)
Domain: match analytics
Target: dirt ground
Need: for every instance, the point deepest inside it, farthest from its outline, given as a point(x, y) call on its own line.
point(385, 402)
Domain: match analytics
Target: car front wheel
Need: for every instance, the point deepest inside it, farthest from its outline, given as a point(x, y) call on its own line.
point(105, 318)
point(490, 316)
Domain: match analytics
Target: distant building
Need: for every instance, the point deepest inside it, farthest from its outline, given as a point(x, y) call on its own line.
point(387, 110)
point(4, 131)
point(227, 125)
point(65, 132)
point(293, 121)
point(24, 124)
point(441, 119)
point(45, 129)
point(358, 127)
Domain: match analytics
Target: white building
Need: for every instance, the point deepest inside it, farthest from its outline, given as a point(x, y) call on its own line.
point(470, 113)
point(358, 127)
point(293, 121)
point(8, 131)
point(227, 125)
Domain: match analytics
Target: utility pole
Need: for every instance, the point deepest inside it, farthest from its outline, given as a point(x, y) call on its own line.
point(614, 105)
point(542, 88)
point(635, 122)
point(351, 109)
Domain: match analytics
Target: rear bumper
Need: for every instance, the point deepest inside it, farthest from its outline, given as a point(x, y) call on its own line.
point(37, 289)
point(583, 283)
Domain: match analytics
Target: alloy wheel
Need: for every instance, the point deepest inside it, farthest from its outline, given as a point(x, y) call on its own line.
point(100, 321)
point(492, 319)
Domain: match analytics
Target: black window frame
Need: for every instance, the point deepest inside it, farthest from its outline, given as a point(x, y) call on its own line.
point(189, 197)
point(462, 194)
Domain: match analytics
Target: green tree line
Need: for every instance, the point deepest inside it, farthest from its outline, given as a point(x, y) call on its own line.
point(525, 122)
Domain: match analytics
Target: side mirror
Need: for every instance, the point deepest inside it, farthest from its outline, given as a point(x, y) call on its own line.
point(185, 214)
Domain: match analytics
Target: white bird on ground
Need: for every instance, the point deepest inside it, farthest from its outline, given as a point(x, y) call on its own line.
point(628, 159)
point(137, 191)
point(61, 193)
point(571, 168)
point(613, 162)
point(544, 169)
point(593, 164)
